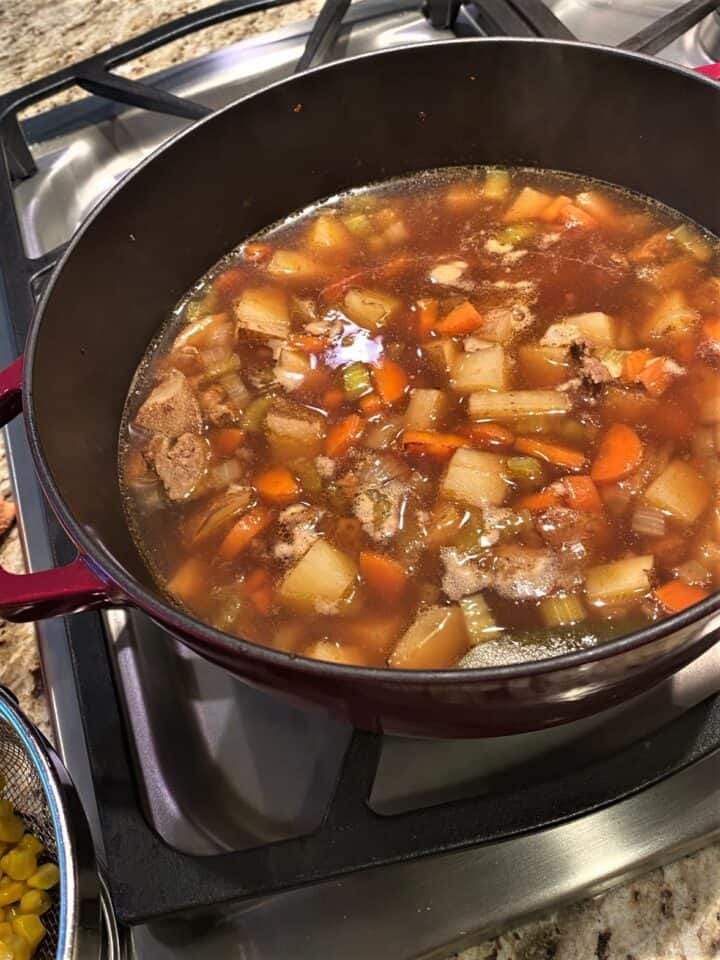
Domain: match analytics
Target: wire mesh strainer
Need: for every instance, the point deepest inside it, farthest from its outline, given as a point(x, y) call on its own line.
point(39, 788)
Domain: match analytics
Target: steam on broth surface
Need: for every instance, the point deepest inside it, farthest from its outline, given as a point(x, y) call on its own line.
point(464, 418)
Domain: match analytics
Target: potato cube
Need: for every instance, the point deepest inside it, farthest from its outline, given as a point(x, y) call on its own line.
point(294, 430)
point(292, 368)
point(475, 477)
point(294, 265)
point(350, 656)
point(597, 329)
point(442, 354)
point(320, 581)
point(436, 639)
point(263, 310)
point(528, 205)
point(329, 235)
point(483, 370)
point(681, 491)
point(621, 580)
point(544, 366)
point(426, 409)
point(371, 308)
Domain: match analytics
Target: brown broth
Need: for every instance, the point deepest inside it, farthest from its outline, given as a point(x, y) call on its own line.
point(292, 443)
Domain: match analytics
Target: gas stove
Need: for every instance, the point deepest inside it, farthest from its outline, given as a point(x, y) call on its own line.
point(228, 822)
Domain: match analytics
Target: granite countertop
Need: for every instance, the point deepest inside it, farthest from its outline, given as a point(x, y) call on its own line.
point(672, 913)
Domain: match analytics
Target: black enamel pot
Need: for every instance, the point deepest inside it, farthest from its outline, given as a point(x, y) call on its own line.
point(623, 118)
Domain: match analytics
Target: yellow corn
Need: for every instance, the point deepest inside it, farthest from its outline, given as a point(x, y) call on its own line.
point(20, 947)
point(31, 843)
point(19, 864)
point(35, 901)
point(6, 930)
point(10, 891)
point(5, 951)
point(11, 828)
point(31, 928)
point(45, 877)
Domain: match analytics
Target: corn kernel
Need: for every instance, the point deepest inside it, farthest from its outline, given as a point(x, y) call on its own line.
point(30, 927)
point(5, 951)
point(11, 891)
point(2, 914)
point(31, 843)
point(11, 829)
point(35, 901)
point(19, 864)
point(45, 877)
point(6, 930)
point(19, 946)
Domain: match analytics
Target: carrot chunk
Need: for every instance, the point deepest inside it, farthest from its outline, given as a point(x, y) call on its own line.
point(343, 435)
point(676, 595)
point(427, 315)
point(384, 575)
point(226, 440)
point(619, 454)
point(488, 434)
point(277, 486)
point(582, 494)
point(333, 398)
point(230, 281)
point(370, 404)
point(258, 588)
point(391, 381)
point(556, 453)
point(634, 364)
point(656, 377)
point(257, 252)
point(463, 319)
point(540, 500)
point(711, 329)
point(438, 445)
point(307, 344)
point(244, 530)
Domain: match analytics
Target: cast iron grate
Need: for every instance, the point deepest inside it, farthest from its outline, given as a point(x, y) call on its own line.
point(147, 878)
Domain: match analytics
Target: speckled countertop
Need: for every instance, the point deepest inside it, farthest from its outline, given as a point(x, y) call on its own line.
point(670, 914)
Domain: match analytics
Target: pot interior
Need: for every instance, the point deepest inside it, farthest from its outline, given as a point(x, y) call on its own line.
point(583, 109)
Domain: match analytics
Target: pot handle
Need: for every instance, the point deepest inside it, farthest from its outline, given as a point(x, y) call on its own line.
point(47, 593)
point(712, 70)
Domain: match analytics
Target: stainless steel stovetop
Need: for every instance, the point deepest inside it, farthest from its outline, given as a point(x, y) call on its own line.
point(220, 767)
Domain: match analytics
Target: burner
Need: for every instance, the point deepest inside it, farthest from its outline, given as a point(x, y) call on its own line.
point(209, 798)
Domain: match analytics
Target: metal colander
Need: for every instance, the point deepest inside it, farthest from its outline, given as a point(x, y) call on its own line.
point(41, 792)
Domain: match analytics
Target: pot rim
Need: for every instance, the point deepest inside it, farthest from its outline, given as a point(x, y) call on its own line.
point(100, 559)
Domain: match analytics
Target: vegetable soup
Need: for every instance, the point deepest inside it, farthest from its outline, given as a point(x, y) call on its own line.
point(464, 418)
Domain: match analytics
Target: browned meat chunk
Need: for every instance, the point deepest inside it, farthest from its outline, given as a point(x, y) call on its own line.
point(594, 371)
point(571, 531)
point(179, 464)
point(171, 409)
point(216, 407)
point(525, 573)
point(463, 574)
point(298, 529)
point(709, 352)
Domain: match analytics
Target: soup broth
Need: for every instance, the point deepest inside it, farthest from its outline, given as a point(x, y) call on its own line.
point(467, 417)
